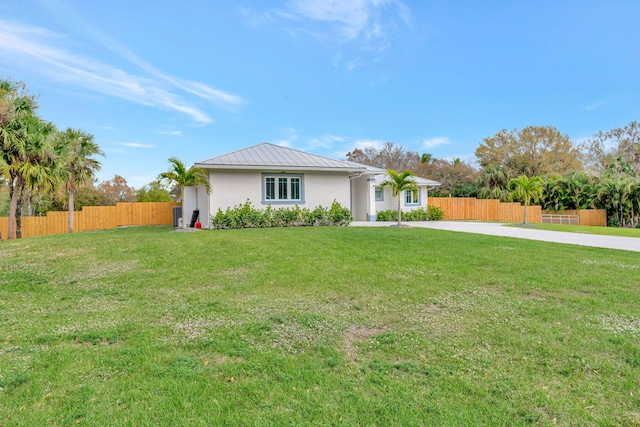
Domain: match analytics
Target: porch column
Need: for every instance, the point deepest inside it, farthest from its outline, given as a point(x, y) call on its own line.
point(371, 199)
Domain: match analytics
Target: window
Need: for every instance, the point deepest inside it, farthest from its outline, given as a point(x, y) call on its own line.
point(379, 194)
point(411, 197)
point(282, 188)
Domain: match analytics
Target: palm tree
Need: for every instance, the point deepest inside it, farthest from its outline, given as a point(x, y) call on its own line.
point(183, 177)
point(16, 112)
point(399, 183)
point(77, 165)
point(493, 183)
point(27, 163)
point(527, 190)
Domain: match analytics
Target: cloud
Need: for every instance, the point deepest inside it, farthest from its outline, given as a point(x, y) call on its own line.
point(291, 135)
point(597, 104)
point(325, 141)
point(44, 51)
point(362, 144)
point(358, 28)
point(365, 21)
point(434, 142)
point(135, 145)
point(171, 132)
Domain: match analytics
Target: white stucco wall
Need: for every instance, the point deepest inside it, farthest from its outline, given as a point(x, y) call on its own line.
point(231, 188)
point(391, 202)
point(362, 198)
point(196, 199)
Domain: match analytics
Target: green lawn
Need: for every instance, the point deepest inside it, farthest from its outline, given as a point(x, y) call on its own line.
point(607, 231)
point(316, 326)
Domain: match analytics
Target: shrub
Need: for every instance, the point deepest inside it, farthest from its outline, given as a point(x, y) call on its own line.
point(432, 213)
point(246, 216)
point(435, 213)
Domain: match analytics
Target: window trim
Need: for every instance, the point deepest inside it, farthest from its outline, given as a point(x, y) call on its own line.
point(417, 199)
point(381, 198)
point(277, 177)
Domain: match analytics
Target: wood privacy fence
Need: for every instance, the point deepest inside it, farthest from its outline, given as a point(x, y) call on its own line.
point(457, 208)
point(484, 209)
point(95, 218)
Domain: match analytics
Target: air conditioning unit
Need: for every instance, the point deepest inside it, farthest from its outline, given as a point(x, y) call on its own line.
point(177, 216)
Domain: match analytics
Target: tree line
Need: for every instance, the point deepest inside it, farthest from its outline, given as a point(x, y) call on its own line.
point(602, 172)
point(43, 168)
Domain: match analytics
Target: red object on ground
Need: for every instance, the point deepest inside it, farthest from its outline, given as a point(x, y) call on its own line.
point(198, 224)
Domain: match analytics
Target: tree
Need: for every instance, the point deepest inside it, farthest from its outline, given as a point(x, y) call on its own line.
point(399, 183)
point(17, 108)
point(450, 174)
point(390, 156)
point(153, 192)
point(30, 166)
point(78, 165)
point(605, 147)
point(532, 151)
point(116, 190)
point(183, 177)
point(527, 190)
point(493, 183)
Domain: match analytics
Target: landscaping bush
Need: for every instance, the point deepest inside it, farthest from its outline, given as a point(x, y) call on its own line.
point(432, 213)
point(246, 216)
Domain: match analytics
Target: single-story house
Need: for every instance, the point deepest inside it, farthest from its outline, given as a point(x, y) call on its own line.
point(268, 174)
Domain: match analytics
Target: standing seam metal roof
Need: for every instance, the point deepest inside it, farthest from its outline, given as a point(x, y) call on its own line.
point(270, 155)
point(379, 179)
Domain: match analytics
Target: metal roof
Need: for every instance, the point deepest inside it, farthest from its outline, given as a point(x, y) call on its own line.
point(273, 157)
point(379, 179)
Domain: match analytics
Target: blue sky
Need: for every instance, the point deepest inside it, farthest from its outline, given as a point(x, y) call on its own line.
point(195, 78)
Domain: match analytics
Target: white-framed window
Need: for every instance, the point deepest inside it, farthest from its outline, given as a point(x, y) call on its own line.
point(282, 188)
point(379, 194)
point(411, 197)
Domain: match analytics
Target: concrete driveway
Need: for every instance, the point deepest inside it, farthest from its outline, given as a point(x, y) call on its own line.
point(499, 229)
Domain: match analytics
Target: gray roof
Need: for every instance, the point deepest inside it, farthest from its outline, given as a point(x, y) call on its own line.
point(267, 156)
point(421, 182)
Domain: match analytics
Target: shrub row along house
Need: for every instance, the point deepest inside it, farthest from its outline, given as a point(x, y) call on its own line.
point(267, 174)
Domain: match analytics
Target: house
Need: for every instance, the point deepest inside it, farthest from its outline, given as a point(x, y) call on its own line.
point(267, 174)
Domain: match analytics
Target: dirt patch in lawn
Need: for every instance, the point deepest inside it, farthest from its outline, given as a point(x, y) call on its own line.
point(353, 333)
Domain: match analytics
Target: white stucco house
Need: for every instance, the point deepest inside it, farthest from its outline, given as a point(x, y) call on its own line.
point(268, 174)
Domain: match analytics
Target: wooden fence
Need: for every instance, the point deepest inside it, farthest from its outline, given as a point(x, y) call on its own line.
point(461, 208)
point(468, 208)
point(95, 218)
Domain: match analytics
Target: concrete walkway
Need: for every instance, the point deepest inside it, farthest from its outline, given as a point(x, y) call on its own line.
point(499, 229)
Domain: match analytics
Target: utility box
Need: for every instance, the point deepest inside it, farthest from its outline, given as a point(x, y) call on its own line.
point(177, 216)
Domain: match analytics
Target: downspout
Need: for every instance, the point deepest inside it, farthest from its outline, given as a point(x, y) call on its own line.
point(209, 200)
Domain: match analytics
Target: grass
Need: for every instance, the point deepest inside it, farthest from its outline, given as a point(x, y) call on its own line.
point(316, 326)
point(605, 231)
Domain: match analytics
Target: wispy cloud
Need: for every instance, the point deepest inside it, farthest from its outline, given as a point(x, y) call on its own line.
point(171, 132)
point(363, 21)
point(325, 141)
point(135, 145)
point(290, 136)
point(364, 25)
point(434, 142)
point(364, 143)
point(47, 52)
point(597, 104)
